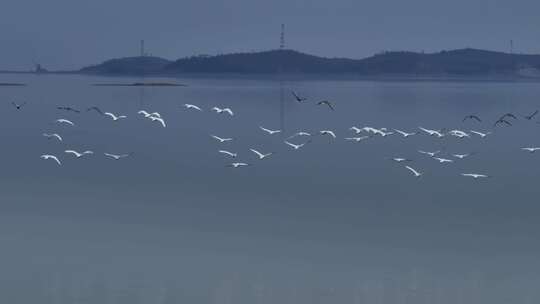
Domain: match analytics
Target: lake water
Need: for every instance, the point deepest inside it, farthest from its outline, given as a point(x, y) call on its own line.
point(334, 222)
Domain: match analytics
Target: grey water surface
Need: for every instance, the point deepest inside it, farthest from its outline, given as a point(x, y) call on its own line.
point(334, 222)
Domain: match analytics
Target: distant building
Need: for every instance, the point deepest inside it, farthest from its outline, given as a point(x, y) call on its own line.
point(39, 69)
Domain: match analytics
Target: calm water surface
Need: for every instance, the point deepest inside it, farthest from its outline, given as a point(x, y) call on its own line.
point(335, 222)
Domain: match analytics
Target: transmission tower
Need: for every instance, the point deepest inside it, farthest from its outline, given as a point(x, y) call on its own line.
point(142, 48)
point(282, 37)
point(281, 90)
point(511, 46)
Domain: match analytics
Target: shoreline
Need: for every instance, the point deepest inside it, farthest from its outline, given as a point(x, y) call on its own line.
point(140, 84)
point(280, 77)
point(12, 84)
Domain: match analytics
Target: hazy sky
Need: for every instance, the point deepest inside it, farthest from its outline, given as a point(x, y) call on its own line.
point(63, 34)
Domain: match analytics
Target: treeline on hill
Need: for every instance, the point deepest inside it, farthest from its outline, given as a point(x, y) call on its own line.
point(456, 62)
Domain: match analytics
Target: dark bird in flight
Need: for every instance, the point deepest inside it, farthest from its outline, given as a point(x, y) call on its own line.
point(529, 117)
point(297, 97)
point(69, 109)
point(508, 115)
point(18, 106)
point(472, 117)
point(326, 102)
point(502, 121)
point(95, 109)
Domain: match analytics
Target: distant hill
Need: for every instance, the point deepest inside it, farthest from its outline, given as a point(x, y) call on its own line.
point(462, 62)
point(139, 65)
point(266, 62)
point(456, 62)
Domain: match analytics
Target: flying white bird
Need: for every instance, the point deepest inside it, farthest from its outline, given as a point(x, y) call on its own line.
point(405, 134)
point(327, 132)
point(431, 154)
point(474, 175)
point(371, 130)
point(461, 156)
point(459, 134)
point(228, 110)
point(224, 110)
point(438, 134)
point(457, 131)
point(261, 155)
point(443, 160)
point(416, 173)
point(53, 135)
point(428, 131)
point(114, 117)
point(400, 159)
point(148, 115)
point(158, 119)
point(77, 154)
point(237, 165)
point(356, 129)
point(432, 132)
point(233, 155)
point(46, 156)
point(190, 106)
point(301, 133)
point(115, 156)
point(221, 139)
point(375, 131)
point(271, 132)
point(64, 121)
point(531, 149)
point(384, 134)
point(295, 146)
point(482, 135)
point(357, 139)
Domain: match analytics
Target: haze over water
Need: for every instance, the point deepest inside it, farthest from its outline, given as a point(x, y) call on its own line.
point(335, 222)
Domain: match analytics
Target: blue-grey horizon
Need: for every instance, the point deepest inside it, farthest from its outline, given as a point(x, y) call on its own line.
point(61, 34)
